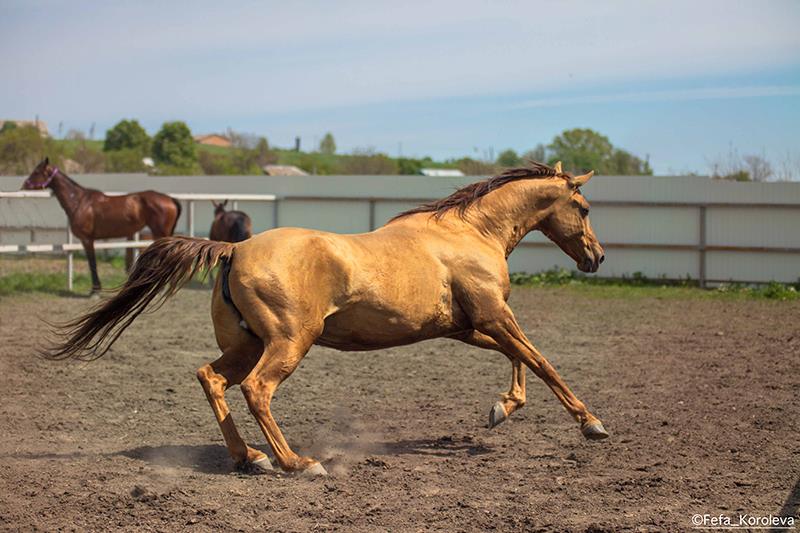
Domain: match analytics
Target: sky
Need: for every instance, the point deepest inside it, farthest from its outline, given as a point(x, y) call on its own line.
point(681, 82)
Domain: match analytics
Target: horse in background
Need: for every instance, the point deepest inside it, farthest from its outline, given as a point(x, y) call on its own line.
point(230, 226)
point(93, 215)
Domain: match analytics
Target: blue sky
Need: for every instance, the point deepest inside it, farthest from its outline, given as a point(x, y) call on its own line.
point(682, 82)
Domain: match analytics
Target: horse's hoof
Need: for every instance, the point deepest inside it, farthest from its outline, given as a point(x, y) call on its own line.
point(497, 415)
point(94, 295)
point(315, 470)
point(594, 430)
point(259, 466)
point(263, 464)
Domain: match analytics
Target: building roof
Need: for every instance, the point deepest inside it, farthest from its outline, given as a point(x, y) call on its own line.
point(283, 170)
point(441, 172)
point(213, 138)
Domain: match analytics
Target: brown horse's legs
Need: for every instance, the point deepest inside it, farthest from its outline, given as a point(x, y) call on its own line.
point(514, 399)
point(216, 378)
point(278, 362)
point(88, 247)
point(507, 333)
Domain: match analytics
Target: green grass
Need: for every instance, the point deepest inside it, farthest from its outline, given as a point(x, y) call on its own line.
point(52, 283)
point(639, 286)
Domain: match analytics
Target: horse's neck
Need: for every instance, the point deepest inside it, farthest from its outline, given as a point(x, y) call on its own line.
point(512, 211)
point(67, 192)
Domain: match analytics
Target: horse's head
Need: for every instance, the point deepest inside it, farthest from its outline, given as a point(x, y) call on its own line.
point(568, 225)
point(41, 176)
point(219, 208)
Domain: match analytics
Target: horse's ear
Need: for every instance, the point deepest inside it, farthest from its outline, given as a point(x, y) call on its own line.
point(46, 161)
point(579, 181)
point(215, 204)
point(557, 166)
point(225, 203)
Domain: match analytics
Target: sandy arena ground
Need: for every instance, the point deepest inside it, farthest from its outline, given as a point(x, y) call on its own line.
point(700, 397)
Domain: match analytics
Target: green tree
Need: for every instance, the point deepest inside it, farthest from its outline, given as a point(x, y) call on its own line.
point(508, 158)
point(127, 135)
point(581, 150)
point(21, 148)
point(173, 146)
point(327, 145)
point(8, 126)
point(537, 153)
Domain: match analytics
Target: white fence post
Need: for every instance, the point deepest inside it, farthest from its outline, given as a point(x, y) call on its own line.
point(70, 260)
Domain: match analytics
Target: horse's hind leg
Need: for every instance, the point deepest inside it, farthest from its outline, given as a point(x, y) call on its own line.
point(216, 378)
point(277, 363)
point(515, 397)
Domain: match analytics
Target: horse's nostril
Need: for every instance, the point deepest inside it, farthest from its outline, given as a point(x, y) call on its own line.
point(602, 258)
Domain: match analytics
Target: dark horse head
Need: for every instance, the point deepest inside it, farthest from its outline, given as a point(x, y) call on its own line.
point(41, 176)
point(219, 208)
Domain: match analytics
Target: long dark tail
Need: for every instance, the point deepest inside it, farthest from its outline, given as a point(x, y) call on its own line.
point(177, 216)
point(162, 269)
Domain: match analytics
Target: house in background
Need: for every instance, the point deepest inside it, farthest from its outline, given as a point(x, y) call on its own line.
point(213, 139)
point(38, 124)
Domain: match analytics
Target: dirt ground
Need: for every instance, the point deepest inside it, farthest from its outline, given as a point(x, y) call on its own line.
point(700, 397)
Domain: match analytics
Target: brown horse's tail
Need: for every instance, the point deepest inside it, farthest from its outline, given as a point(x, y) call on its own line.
point(163, 268)
point(179, 207)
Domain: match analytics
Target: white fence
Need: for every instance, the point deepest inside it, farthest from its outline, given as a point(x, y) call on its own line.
point(672, 227)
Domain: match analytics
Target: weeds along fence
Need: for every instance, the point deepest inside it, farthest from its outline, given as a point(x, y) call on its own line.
point(70, 247)
point(661, 227)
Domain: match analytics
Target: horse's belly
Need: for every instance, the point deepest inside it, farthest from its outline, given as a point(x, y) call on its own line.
point(365, 328)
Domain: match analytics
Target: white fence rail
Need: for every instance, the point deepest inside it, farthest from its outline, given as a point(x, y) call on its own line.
point(70, 247)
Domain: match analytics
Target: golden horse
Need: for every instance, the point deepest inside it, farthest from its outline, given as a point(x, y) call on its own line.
point(438, 270)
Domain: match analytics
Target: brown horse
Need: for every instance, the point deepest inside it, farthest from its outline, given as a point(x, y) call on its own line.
point(436, 271)
point(93, 215)
point(230, 226)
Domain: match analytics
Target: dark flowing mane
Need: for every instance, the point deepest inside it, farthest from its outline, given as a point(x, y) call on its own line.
point(466, 196)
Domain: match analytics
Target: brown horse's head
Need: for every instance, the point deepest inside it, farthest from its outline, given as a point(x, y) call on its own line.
point(568, 225)
point(41, 176)
point(219, 208)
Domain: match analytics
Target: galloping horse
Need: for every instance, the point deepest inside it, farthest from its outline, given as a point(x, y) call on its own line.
point(230, 226)
point(435, 271)
point(93, 215)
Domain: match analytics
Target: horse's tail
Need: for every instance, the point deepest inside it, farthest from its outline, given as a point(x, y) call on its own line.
point(240, 230)
point(163, 268)
point(179, 207)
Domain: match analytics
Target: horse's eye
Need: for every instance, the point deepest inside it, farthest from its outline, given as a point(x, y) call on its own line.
point(584, 212)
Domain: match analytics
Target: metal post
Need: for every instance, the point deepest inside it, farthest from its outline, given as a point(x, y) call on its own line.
point(702, 247)
point(190, 218)
point(70, 260)
point(275, 213)
point(371, 214)
point(235, 205)
point(136, 237)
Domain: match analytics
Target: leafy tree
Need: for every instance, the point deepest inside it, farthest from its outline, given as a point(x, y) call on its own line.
point(537, 153)
point(173, 146)
point(508, 158)
point(8, 126)
point(127, 134)
point(409, 167)
point(580, 150)
point(21, 148)
point(327, 145)
point(125, 160)
point(368, 162)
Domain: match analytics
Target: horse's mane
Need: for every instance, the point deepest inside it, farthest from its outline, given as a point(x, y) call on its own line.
point(466, 196)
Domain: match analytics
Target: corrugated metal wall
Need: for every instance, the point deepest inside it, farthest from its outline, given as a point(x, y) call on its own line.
point(635, 216)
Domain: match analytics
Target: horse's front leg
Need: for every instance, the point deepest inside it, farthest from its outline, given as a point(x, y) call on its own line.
point(515, 397)
point(88, 247)
point(501, 326)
